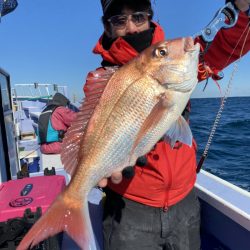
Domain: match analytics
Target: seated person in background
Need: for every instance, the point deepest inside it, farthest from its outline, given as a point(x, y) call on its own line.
point(53, 122)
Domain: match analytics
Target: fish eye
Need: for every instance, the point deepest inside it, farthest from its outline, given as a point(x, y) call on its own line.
point(161, 52)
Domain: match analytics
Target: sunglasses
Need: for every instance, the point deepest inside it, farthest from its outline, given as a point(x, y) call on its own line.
point(120, 21)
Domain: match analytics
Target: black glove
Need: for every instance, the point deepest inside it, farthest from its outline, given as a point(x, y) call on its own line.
point(129, 172)
point(142, 161)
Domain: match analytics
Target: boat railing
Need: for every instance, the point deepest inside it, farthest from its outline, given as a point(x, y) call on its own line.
point(37, 91)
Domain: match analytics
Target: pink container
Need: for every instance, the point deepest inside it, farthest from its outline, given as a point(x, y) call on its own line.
point(33, 192)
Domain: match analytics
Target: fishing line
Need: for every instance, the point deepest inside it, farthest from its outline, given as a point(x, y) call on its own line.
point(223, 101)
point(247, 27)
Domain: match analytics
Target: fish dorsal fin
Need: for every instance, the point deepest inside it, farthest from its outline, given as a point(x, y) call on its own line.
point(94, 87)
point(179, 131)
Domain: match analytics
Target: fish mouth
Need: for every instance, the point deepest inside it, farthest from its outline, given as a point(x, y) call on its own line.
point(185, 78)
point(190, 46)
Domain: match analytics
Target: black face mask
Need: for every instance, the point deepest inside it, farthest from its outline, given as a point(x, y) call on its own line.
point(138, 41)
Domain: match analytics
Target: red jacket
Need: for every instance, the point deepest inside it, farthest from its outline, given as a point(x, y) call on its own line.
point(61, 119)
point(170, 174)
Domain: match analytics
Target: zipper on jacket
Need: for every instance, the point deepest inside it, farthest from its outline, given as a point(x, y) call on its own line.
point(168, 186)
point(165, 206)
point(165, 209)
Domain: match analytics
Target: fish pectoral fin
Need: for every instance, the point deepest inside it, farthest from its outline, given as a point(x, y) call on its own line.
point(152, 119)
point(60, 216)
point(179, 131)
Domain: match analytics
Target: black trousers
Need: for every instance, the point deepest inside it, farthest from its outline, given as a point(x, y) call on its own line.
point(129, 225)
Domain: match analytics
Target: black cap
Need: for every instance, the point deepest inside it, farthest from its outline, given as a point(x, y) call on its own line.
point(107, 3)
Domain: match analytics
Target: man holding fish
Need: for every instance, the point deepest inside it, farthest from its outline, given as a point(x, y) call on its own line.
point(133, 117)
point(156, 208)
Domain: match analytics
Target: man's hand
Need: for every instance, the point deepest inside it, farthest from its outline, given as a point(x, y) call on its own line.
point(116, 178)
point(127, 173)
point(242, 5)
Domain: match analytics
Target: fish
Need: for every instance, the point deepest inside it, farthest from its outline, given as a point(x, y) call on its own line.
point(124, 114)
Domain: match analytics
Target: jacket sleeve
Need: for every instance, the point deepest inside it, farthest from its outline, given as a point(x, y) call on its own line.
point(227, 45)
point(62, 118)
point(68, 116)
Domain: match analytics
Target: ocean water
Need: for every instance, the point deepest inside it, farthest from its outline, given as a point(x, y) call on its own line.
point(229, 153)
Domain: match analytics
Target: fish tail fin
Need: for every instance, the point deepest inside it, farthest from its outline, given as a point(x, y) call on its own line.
point(65, 214)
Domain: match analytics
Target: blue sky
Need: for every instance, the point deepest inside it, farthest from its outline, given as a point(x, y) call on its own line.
point(51, 41)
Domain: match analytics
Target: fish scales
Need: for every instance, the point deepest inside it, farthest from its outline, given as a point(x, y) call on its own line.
point(119, 136)
point(115, 142)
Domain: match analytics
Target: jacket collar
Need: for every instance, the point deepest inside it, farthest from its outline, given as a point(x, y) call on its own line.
point(120, 51)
